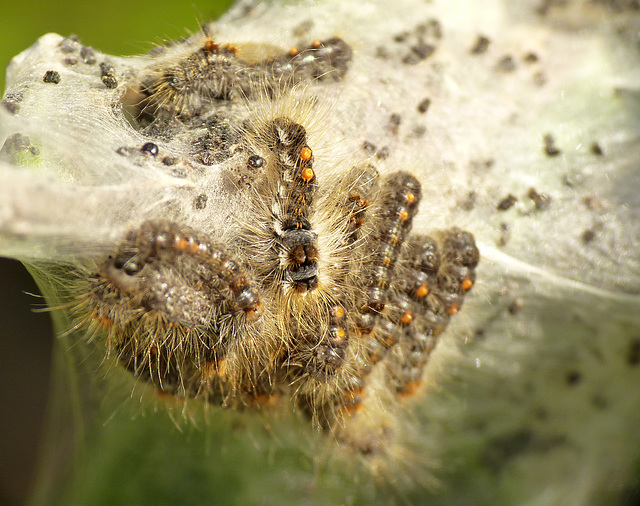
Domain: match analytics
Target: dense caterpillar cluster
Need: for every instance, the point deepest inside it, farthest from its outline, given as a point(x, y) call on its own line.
point(211, 72)
point(324, 285)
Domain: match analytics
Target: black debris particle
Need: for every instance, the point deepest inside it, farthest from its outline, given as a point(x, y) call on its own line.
point(597, 149)
point(126, 151)
point(169, 160)
point(633, 355)
point(108, 75)
point(421, 41)
point(507, 202)
point(424, 105)
point(382, 52)
point(573, 378)
point(550, 147)
point(540, 78)
point(15, 144)
point(481, 45)
point(200, 202)
point(506, 64)
point(11, 102)
point(594, 203)
point(505, 234)
point(419, 130)
point(109, 81)
point(469, 202)
point(383, 153)
point(20, 142)
point(531, 57)
point(88, 55)
point(401, 37)
point(70, 44)
point(420, 51)
point(51, 76)
point(369, 147)
point(394, 123)
point(107, 69)
point(516, 306)
point(179, 172)
point(149, 149)
point(541, 200)
point(588, 236)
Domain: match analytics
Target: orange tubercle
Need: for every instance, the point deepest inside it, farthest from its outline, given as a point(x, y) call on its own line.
point(210, 46)
point(316, 44)
point(404, 215)
point(307, 174)
point(407, 317)
point(410, 388)
point(305, 154)
point(422, 291)
point(338, 311)
point(466, 284)
point(293, 51)
point(182, 243)
point(453, 309)
point(410, 197)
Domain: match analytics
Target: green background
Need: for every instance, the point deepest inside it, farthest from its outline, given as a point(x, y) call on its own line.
point(115, 27)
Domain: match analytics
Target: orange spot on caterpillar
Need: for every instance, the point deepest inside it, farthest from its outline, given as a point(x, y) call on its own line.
point(306, 153)
point(453, 309)
point(253, 312)
point(340, 333)
point(338, 312)
point(307, 174)
point(407, 317)
point(194, 247)
point(409, 390)
point(293, 51)
point(410, 197)
point(404, 215)
point(466, 284)
point(316, 44)
point(210, 46)
point(182, 243)
point(263, 400)
point(210, 370)
point(352, 409)
point(221, 368)
point(422, 291)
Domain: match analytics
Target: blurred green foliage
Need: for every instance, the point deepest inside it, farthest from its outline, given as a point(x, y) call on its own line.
point(117, 27)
